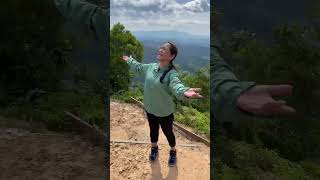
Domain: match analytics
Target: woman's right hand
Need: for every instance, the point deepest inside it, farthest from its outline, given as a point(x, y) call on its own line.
point(259, 100)
point(125, 58)
point(193, 93)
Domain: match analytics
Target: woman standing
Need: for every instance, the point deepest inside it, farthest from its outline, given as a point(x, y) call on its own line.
point(161, 84)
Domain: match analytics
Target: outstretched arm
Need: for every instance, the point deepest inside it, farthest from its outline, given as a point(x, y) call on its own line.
point(233, 99)
point(180, 91)
point(88, 17)
point(135, 65)
point(225, 89)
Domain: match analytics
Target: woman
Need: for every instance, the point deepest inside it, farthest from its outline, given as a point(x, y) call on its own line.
point(161, 83)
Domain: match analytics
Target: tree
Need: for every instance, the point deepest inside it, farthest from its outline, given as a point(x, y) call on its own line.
point(200, 80)
point(122, 42)
point(33, 49)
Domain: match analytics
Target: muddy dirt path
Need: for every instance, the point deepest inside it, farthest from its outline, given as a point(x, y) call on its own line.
point(130, 161)
point(30, 152)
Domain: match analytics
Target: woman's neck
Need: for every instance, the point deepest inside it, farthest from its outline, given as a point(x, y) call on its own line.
point(163, 63)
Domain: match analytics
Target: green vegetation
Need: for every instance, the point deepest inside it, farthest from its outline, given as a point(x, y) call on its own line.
point(200, 79)
point(278, 147)
point(125, 96)
point(122, 42)
point(34, 51)
point(50, 109)
point(195, 113)
point(191, 117)
point(240, 160)
point(39, 78)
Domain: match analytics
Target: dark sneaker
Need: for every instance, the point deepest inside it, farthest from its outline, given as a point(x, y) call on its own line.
point(154, 154)
point(173, 158)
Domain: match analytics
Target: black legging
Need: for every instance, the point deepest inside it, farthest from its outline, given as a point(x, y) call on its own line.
point(166, 126)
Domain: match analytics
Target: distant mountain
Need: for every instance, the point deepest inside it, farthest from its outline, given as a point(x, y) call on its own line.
point(194, 51)
point(178, 37)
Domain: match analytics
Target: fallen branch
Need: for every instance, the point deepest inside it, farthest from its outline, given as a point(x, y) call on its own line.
point(92, 132)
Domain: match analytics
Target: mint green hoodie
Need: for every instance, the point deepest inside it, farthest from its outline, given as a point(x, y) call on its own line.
point(158, 97)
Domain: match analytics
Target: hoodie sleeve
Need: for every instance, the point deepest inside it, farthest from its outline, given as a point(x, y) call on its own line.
point(225, 89)
point(86, 16)
point(176, 86)
point(137, 66)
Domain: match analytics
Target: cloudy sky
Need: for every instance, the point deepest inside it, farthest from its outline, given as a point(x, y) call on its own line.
point(192, 16)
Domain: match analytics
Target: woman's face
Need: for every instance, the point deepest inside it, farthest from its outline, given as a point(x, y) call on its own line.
point(164, 53)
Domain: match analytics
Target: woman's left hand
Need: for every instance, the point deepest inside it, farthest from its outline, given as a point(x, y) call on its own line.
point(193, 93)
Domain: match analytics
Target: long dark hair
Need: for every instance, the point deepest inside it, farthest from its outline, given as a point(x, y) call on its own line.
point(173, 51)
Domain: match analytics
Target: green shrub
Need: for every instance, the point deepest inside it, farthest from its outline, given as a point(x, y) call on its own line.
point(125, 96)
point(50, 109)
point(193, 118)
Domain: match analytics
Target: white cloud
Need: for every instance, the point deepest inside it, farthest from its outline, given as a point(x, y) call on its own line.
point(197, 6)
point(162, 15)
point(161, 5)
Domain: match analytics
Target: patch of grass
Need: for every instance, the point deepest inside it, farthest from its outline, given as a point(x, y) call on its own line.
point(194, 119)
point(125, 96)
point(50, 109)
point(240, 160)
